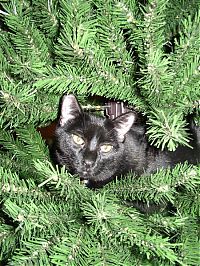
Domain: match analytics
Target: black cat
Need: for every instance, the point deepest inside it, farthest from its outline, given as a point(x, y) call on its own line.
point(98, 149)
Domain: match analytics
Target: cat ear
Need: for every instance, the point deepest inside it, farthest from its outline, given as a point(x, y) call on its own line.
point(70, 109)
point(123, 124)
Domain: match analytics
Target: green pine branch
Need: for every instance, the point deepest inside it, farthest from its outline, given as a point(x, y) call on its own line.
point(159, 187)
point(118, 226)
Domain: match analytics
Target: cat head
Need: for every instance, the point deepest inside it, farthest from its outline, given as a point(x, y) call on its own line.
point(88, 145)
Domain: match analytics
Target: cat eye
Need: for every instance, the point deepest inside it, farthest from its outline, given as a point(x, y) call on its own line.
point(106, 148)
point(77, 139)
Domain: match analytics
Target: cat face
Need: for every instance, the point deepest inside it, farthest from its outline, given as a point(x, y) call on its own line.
point(90, 146)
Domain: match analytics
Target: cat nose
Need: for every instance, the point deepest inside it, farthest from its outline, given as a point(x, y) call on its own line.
point(88, 163)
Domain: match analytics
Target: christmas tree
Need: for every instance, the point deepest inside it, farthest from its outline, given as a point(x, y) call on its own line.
point(143, 53)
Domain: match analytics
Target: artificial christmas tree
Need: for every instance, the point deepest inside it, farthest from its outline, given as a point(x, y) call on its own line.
point(143, 53)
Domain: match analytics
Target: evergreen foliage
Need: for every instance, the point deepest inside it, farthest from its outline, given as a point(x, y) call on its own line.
point(146, 53)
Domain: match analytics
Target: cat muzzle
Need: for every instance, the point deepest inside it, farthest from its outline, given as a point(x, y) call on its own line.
point(84, 176)
point(85, 182)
